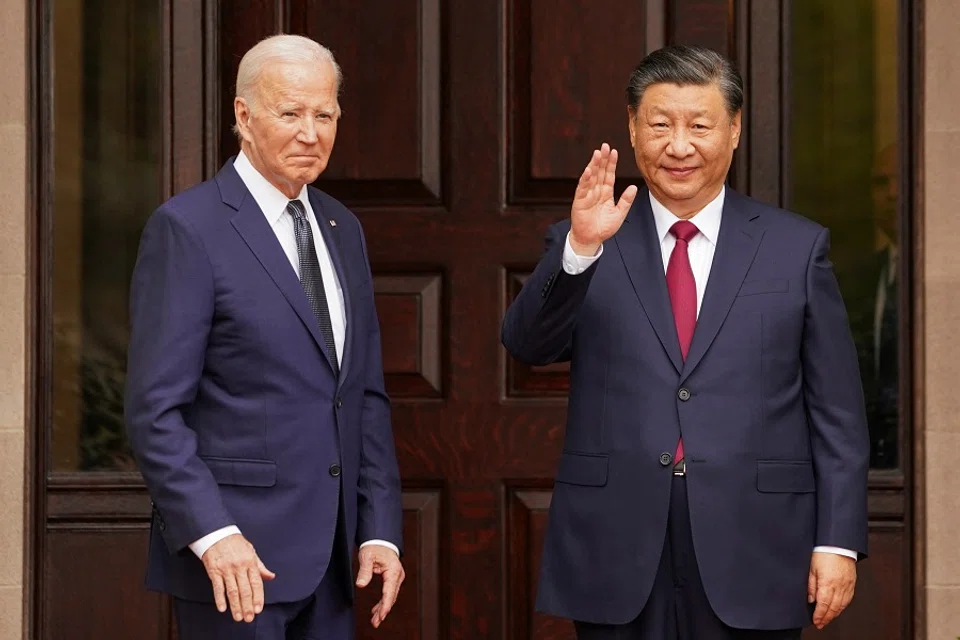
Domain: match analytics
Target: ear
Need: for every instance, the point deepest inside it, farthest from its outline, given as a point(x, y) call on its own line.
point(632, 126)
point(735, 128)
point(241, 111)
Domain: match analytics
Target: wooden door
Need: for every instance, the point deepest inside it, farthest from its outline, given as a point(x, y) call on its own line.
point(466, 124)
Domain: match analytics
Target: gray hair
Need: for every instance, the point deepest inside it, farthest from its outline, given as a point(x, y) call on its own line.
point(282, 48)
point(686, 65)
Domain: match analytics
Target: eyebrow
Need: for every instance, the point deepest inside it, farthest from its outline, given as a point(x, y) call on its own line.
point(661, 112)
point(283, 107)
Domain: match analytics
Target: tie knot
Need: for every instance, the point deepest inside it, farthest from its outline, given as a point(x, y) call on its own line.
point(295, 208)
point(684, 230)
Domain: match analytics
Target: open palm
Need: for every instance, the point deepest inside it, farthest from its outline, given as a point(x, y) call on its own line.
point(594, 216)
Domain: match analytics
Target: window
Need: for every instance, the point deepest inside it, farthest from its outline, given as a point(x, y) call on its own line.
point(107, 163)
point(843, 170)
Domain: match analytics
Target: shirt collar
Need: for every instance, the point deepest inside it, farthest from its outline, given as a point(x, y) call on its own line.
point(707, 219)
point(272, 201)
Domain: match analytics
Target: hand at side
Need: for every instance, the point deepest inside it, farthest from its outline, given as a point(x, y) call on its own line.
point(237, 576)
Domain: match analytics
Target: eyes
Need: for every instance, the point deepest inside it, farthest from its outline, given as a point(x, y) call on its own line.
point(320, 117)
point(664, 126)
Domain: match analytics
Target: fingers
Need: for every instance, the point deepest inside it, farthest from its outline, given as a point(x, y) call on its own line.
point(365, 574)
point(256, 587)
point(603, 166)
point(828, 607)
point(626, 199)
point(588, 179)
point(265, 573)
point(824, 597)
point(233, 596)
point(219, 593)
point(246, 595)
point(392, 578)
point(610, 173)
point(811, 587)
point(830, 603)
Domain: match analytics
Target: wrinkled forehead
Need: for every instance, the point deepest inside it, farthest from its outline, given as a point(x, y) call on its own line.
point(310, 83)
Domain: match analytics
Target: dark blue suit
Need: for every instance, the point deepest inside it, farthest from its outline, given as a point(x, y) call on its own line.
point(768, 401)
point(232, 406)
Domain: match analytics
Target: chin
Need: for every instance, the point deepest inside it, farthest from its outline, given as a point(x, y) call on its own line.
point(686, 192)
point(308, 176)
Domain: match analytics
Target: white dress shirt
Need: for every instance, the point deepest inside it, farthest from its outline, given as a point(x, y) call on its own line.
point(273, 204)
point(700, 251)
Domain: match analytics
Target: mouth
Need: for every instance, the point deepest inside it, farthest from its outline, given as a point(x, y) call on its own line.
point(679, 172)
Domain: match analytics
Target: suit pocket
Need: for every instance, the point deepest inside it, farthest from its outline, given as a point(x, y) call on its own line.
point(756, 287)
point(584, 469)
point(785, 476)
point(241, 471)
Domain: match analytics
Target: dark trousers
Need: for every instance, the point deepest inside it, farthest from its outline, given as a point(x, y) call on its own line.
point(327, 614)
point(678, 608)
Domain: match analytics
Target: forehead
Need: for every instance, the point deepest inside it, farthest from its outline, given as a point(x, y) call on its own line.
point(673, 98)
point(308, 82)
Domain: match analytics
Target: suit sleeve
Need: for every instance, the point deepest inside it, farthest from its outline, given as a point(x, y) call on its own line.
point(171, 312)
point(538, 326)
point(834, 399)
point(379, 510)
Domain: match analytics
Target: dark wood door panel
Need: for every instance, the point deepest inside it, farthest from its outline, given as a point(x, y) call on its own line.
point(568, 64)
point(389, 140)
point(93, 584)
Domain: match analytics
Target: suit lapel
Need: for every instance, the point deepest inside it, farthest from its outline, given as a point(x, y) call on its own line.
point(640, 251)
point(331, 237)
point(253, 227)
point(736, 248)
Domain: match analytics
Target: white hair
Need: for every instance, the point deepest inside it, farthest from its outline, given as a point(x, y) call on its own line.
point(282, 48)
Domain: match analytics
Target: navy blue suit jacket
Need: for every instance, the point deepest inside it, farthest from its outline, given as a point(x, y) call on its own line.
point(232, 407)
point(769, 402)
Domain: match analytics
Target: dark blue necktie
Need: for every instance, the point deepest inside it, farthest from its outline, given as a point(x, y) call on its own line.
point(310, 277)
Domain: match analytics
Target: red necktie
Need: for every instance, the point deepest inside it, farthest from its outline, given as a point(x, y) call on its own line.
point(683, 291)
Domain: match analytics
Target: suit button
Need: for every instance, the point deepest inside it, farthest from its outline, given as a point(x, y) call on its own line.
point(665, 458)
point(339, 403)
point(335, 470)
point(684, 394)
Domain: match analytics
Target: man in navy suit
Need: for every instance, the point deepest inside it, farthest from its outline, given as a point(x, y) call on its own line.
point(255, 401)
point(713, 479)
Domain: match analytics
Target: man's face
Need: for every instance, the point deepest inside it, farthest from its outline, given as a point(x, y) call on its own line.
point(289, 130)
point(683, 139)
point(885, 192)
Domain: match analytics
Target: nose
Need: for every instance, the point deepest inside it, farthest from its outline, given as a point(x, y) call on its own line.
point(308, 131)
point(680, 146)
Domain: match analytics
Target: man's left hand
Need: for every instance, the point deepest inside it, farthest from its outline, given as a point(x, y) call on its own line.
point(830, 584)
point(375, 558)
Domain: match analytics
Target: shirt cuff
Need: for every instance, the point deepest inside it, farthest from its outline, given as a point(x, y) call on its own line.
point(200, 546)
point(383, 543)
point(837, 550)
point(574, 264)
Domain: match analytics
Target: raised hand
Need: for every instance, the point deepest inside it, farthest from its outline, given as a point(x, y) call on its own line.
point(594, 216)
